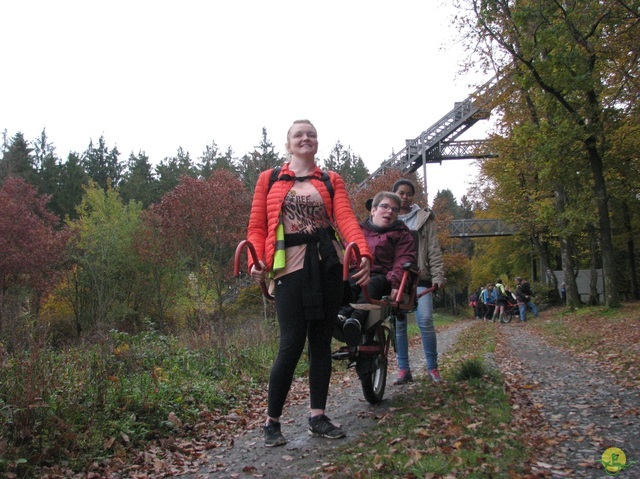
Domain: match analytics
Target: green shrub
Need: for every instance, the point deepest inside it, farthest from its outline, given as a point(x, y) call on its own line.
point(67, 404)
point(470, 369)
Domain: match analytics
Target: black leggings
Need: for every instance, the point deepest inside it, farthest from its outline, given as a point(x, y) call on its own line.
point(295, 329)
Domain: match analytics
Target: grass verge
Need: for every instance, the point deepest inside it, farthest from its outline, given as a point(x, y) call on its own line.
point(95, 408)
point(459, 428)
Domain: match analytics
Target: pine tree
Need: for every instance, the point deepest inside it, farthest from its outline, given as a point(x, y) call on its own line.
point(18, 160)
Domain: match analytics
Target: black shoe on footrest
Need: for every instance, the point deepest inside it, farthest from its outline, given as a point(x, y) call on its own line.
point(352, 332)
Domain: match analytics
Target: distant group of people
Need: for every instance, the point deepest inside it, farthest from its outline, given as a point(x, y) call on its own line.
point(489, 301)
point(294, 226)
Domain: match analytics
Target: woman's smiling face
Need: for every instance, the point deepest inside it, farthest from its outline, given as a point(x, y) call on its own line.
point(302, 140)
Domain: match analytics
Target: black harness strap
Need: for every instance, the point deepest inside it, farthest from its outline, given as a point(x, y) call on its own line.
point(275, 176)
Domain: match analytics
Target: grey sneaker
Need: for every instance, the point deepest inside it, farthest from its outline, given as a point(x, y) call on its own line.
point(404, 377)
point(321, 426)
point(272, 435)
point(434, 374)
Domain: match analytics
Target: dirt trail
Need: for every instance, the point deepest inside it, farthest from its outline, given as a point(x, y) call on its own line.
point(586, 408)
point(302, 454)
point(583, 411)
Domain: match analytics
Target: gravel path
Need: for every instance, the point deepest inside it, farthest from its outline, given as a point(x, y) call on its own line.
point(586, 408)
point(302, 454)
point(583, 410)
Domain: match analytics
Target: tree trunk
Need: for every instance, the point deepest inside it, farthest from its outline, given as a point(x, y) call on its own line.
point(593, 273)
point(545, 262)
point(633, 274)
point(568, 268)
point(545, 265)
point(612, 299)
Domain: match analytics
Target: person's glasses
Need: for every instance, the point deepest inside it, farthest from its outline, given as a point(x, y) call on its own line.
point(387, 207)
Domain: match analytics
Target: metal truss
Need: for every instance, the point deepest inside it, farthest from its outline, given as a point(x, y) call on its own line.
point(475, 228)
point(437, 142)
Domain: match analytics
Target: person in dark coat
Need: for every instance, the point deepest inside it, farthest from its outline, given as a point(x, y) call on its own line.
point(391, 245)
point(524, 295)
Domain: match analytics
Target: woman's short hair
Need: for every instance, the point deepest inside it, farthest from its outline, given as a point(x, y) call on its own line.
point(306, 122)
point(403, 181)
point(385, 194)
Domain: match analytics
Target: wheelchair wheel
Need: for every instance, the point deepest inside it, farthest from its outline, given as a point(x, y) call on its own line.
point(508, 315)
point(372, 371)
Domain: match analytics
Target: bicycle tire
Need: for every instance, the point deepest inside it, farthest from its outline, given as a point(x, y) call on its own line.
point(507, 317)
point(374, 380)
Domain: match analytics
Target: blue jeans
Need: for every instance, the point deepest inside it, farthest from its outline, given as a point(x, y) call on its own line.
point(424, 318)
point(523, 310)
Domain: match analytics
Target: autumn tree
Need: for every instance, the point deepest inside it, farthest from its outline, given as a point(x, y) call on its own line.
point(205, 220)
point(164, 274)
point(381, 183)
point(567, 51)
point(520, 190)
point(106, 275)
point(31, 252)
point(456, 262)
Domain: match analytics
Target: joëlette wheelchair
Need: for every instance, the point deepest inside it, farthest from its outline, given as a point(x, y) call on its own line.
point(371, 357)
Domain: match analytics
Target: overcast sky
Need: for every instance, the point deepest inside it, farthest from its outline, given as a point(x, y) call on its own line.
point(155, 75)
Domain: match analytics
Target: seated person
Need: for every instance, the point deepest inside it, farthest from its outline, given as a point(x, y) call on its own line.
point(391, 245)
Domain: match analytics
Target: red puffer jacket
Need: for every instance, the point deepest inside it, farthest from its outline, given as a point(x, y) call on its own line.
point(266, 207)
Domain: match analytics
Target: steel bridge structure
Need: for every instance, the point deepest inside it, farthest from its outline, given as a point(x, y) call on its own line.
point(438, 142)
point(478, 228)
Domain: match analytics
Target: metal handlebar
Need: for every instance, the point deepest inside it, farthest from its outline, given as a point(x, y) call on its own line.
point(256, 263)
point(353, 250)
point(427, 291)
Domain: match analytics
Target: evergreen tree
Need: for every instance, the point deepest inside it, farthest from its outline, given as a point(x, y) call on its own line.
point(263, 158)
point(466, 208)
point(18, 160)
point(102, 165)
point(449, 202)
point(71, 181)
point(5, 141)
point(138, 182)
point(348, 165)
point(212, 160)
point(171, 169)
point(47, 165)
